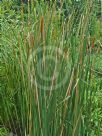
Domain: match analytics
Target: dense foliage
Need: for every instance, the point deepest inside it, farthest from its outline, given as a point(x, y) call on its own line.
point(51, 68)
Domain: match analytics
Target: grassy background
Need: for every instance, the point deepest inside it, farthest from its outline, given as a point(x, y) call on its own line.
point(50, 83)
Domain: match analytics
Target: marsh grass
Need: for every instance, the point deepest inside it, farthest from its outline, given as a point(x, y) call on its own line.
point(46, 72)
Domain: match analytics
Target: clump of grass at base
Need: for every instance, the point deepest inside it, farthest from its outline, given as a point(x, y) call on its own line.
point(46, 73)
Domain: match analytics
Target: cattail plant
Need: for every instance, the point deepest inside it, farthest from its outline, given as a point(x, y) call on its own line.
point(46, 73)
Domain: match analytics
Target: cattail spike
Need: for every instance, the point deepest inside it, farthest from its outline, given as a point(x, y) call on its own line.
point(42, 27)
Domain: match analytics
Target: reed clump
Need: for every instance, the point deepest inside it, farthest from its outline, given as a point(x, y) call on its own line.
point(46, 72)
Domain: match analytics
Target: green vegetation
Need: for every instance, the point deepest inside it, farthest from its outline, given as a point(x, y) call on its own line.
point(51, 68)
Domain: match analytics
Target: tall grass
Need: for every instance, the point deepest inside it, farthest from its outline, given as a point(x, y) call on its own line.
point(46, 72)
